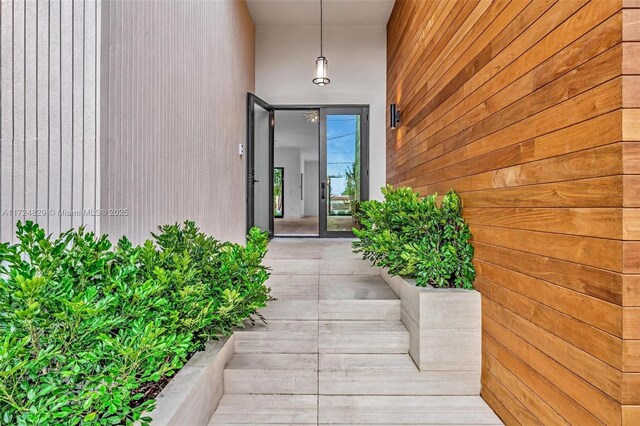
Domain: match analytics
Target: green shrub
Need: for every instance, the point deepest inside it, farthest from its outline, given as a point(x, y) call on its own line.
point(89, 332)
point(415, 237)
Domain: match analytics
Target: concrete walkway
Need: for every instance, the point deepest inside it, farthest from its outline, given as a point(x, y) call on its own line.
point(334, 351)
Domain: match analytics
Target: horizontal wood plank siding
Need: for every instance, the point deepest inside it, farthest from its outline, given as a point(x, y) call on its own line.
point(630, 218)
point(531, 110)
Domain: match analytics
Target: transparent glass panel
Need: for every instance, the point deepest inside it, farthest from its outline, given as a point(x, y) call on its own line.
point(343, 171)
point(296, 152)
point(278, 192)
point(261, 168)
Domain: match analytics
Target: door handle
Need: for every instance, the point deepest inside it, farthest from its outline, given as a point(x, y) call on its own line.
point(322, 190)
point(255, 180)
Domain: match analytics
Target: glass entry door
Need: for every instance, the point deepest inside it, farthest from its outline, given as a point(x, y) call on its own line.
point(344, 168)
point(260, 119)
point(278, 192)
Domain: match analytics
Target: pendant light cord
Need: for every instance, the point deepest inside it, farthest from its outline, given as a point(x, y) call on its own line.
point(321, 29)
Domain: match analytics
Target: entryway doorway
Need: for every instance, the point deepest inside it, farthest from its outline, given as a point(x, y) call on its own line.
point(307, 167)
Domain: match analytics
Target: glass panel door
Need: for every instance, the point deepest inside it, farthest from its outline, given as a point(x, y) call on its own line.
point(278, 192)
point(344, 168)
point(260, 164)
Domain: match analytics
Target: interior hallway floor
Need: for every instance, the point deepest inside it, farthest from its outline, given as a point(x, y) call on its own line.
point(308, 225)
point(334, 351)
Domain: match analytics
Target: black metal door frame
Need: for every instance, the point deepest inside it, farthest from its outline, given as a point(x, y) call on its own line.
point(252, 100)
point(363, 111)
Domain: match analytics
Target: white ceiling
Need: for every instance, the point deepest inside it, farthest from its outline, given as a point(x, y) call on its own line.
point(307, 12)
point(293, 130)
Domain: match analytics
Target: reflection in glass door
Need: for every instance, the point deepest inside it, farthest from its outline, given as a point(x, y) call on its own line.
point(278, 192)
point(344, 168)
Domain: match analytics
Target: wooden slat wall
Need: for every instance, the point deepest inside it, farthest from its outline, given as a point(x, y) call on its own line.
point(631, 217)
point(531, 110)
point(49, 51)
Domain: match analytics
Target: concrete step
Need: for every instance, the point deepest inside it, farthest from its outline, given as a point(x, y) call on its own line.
point(266, 409)
point(399, 410)
point(366, 362)
point(278, 337)
point(360, 310)
point(303, 250)
point(363, 382)
point(363, 337)
point(285, 374)
point(389, 374)
point(294, 287)
point(334, 266)
point(355, 287)
point(303, 310)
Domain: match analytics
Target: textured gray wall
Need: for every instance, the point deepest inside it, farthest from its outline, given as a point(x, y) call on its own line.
point(48, 113)
point(137, 107)
point(174, 86)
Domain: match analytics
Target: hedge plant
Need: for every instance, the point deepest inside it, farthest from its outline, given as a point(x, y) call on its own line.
point(90, 332)
point(417, 238)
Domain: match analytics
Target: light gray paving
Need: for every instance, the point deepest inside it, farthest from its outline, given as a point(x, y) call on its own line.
point(334, 351)
point(278, 337)
point(413, 410)
point(280, 374)
point(353, 337)
point(359, 310)
point(283, 309)
point(266, 409)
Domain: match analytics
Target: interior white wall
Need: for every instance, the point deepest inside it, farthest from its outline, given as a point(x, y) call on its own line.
point(285, 59)
point(289, 158)
point(311, 183)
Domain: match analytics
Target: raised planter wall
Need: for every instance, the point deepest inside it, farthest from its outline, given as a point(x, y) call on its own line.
point(445, 326)
point(192, 396)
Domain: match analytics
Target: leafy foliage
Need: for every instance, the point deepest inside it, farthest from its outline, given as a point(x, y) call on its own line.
point(416, 237)
point(86, 327)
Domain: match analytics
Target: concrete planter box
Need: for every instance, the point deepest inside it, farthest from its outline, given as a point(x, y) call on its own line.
point(445, 326)
point(193, 394)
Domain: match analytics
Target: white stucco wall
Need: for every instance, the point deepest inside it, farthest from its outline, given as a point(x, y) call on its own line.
point(311, 182)
point(285, 59)
point(289, 158)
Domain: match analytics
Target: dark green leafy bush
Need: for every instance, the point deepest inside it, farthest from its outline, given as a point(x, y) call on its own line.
point(89, 332)
point(418, 238)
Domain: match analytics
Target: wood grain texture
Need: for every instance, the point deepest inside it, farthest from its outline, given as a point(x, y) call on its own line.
point(630, 54)
point(631, 415)
point(631, 25)
point(631, 91)
point(631, 123)
point(631, 290)
point(530, 111)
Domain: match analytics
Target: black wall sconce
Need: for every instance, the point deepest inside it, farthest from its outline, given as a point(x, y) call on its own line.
point(394, 116)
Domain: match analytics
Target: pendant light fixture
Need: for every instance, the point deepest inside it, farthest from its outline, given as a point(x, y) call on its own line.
point(312, 116)
point(322, 65)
